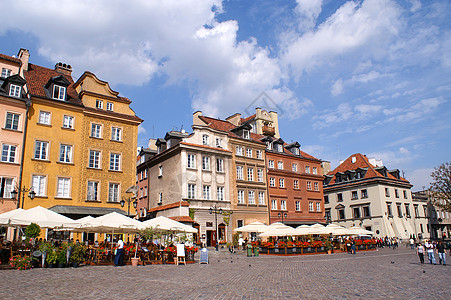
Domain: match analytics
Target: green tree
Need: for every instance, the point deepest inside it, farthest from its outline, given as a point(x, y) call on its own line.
point(32, 231)
point(441, 186)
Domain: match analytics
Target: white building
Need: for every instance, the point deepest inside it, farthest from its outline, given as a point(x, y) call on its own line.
point(363, 192)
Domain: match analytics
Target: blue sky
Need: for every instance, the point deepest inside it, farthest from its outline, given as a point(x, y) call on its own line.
point(367, 76)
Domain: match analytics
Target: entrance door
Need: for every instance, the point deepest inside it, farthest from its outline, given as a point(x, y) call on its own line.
point(211, 238)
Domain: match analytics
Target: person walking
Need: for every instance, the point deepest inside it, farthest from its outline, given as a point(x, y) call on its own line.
point(420, 252)
point(119, 258)
point(430, 250)
point(412, 241)
point(441, 253)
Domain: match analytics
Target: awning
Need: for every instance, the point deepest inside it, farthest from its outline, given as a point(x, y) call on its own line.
point(85, 210)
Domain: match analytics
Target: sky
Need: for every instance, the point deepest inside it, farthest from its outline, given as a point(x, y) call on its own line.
point(370, 77)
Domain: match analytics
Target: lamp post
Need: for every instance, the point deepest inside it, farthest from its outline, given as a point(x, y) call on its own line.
point(22, 191)
point(216, 210)
point(282, 215)
point(128, 200)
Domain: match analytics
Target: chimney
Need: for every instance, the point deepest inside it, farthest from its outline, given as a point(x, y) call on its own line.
point(152, 145)
point(24, 56)
point(235, 119)
point(63, 68)
point(196, 120)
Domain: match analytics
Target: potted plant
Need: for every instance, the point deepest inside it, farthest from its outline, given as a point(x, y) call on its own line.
point(328, 246)
point(77, 254)
point(52, 258)
point(62, 259)
point(21, 263)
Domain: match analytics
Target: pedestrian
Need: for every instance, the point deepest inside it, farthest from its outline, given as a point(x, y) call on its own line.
point(352, 246)
point(240, 243)
point(411, 241)
point(441, 253)
point(119, 258)
point(430, 250)
point(420, 251)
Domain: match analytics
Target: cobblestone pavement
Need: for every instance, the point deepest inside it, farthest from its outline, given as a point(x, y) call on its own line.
point(386, 273)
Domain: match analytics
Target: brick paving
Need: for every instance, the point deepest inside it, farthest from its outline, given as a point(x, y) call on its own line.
point(379, 274)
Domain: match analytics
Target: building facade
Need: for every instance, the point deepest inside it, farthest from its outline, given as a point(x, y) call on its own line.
point(363, 192)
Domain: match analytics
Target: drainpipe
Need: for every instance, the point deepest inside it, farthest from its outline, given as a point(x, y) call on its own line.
point(27, 104)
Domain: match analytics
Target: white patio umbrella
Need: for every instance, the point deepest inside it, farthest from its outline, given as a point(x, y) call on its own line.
point(162, 223)
point(45, 218)
point(279, 229)
point(360, 230)
point(306, 230)
point(112, 222)
point(252, 227)
point(6, 216)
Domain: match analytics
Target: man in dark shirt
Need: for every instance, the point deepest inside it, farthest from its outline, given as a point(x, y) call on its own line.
point(441, 253)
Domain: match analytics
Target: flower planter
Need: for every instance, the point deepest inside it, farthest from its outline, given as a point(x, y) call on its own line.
point(309, 250)
point(329, 251)
point(135, 261)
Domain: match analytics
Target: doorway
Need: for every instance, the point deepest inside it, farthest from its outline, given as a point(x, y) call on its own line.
point(211, 238)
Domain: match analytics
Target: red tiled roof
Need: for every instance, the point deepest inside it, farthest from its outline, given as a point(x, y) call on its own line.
point(169, 206)
point(37, 77)
point(10, 58)
point(361, 161)
point(182, 219)
point(243, 120)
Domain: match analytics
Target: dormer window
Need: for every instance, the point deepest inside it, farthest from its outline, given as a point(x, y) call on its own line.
point(246, 134)
point(14, 90)
point(59, 92)
point(280, 148)
point(269, 145)
point(296, 151)
point(99, 104)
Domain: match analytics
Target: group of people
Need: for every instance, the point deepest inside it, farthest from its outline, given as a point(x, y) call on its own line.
point(429, 248)
point(390, 242)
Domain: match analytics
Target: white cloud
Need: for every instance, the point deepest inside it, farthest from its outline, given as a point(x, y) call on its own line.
point(141, 129)
point(420, 178)
point(404, 151)
point(308, 12)
point(414, 113)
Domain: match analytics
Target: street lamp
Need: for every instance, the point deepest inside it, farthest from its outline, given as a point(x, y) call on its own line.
point(282, 215)
point(128, 200)
point(216, 210)
point(23, 190)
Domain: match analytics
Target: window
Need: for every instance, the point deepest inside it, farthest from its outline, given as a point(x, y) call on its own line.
point(113, 192)
point(310, 206)
point(160, 171)
point(240, 197)
point(281, 182)
point(296, 151)
point(205, 140)
point(59, 92)
point(259, 154)
point(307, 169)
point(294, 167)
point(14, 90)
point(354, 195)
point(327, 215)
point(246, 134)
point(280, 148)
point(220, 193)
point(274, 204)
point(398, 208)
point(417, 213)
point(116, 133)
point(298, 205)
point(396, 193)
point(408, 210)
point(250, 174)
point(405, 194)
point(260, 175)
point(191, 191)
point(387, 192)
point(41, 150)
point(63, 189)
point(5, 73)
point(269, 145)
point(65, 153)
point(99, 104)
point(326, 199)
point(239, 151)
point(160, 198)
point(356, 212)
point(272, 182)
point(218, 143)
point(271, 164)
point(145, 173)
point(12, 121)
point(94, 159)
point(261, 198)
point(425, 211)
point(68, 122)
point(318, 206)
point(206, 163)
point(239, 173)
point(339, 197)
point(366, 211)
point(280, 165)
point(341, 214)
point(219, 165)
point(248, 152)
point(295, 184)
point(44, 118)
point(316, 186)
point(96, 130)
point(6, 187)
point(283, 204)
point(251, 197)
point(315, 170)
point(309, 185)
point(389, 212)
point(38, 184)
point(364, 193)
point(206, 192)
point(110, 106)
point(115, 162)
point(9, 153)
point(191, 161)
